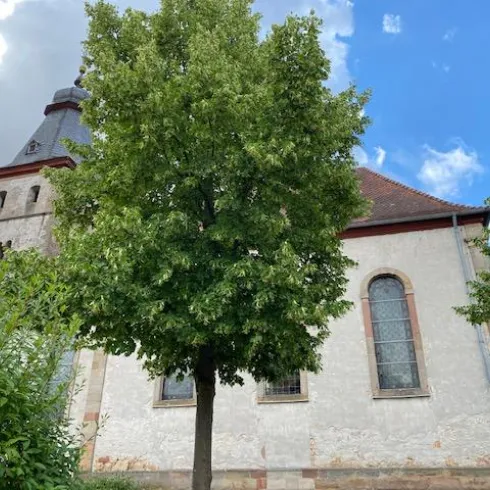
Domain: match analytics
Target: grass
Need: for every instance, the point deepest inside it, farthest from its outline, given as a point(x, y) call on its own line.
point(116, 484)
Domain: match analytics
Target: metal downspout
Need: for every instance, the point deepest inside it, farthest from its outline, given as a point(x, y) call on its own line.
point(482, 344)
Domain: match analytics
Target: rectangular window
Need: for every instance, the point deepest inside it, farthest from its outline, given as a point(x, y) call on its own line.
point(170, 391)
point(289, 389)
point(174, 389)
point(291, 385)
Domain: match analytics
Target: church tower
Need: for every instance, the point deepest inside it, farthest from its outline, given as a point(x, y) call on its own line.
point(25, 195)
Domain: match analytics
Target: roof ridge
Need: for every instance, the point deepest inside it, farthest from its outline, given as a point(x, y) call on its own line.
point(421, 193)
point(58, 131)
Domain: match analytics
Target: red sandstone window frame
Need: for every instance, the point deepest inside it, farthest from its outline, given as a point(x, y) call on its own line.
point(377, 392)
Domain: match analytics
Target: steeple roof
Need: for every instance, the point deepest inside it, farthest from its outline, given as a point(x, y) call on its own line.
point(62, 121)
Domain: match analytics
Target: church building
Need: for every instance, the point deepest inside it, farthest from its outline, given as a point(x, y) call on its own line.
point(403, 400)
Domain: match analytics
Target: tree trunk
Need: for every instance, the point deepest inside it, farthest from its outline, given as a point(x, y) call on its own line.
point(205, 378)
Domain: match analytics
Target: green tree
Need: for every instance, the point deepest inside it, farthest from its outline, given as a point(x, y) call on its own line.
point(219, 179)
point(37, 449)
point(478, 311)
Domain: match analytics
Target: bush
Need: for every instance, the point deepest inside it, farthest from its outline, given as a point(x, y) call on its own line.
point(37, 449)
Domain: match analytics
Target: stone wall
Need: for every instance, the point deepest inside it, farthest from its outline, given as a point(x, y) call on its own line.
point(325, 479)
point(27, 224)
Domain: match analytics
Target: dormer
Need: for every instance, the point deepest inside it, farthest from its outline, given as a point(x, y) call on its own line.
point(32, 147)
point(62, 121)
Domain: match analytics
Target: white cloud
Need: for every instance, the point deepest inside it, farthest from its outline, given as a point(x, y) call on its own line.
point(443, 66)
point(392, 24)
point(380, 156)
point(7, 8)
point(338, 22)
point(449, 34)
point(360, 156)
point(444, 172)
point(364, 160)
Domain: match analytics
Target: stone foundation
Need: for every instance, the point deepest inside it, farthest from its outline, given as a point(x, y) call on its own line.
point(322, 479)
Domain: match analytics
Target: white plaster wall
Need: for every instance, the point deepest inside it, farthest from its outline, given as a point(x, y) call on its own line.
point(363, 431)
point(83, 365)
point(340, 425)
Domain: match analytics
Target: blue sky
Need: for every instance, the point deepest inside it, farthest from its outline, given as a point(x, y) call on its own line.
point(425, 61)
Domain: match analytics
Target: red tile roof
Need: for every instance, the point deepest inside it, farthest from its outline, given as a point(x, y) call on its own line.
point(392, 201)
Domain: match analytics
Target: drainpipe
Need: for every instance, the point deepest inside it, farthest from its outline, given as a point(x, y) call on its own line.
point(468, 276)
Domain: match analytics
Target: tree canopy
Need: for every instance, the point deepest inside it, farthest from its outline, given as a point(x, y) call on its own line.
point(219, 179)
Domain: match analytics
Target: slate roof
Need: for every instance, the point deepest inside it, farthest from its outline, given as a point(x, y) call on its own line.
point(62, 121)
point(393, 201)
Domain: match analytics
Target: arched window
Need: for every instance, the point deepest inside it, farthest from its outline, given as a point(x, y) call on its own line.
point(34, 193)
point(393, 337)
point(394, 341)
point(3, 196)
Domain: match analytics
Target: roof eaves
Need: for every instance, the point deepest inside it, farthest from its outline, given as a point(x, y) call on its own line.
point(34, 167)
point(484, 211)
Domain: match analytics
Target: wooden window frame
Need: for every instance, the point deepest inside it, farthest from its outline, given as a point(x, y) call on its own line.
point(159, 402)
point(377, 392)
point(300, 397)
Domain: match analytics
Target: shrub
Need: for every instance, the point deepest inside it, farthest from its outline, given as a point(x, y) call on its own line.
point(37, 449)
point(110, 484)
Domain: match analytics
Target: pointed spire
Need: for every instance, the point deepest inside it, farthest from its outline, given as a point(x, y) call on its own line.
point(62, 121)
point(81, 75)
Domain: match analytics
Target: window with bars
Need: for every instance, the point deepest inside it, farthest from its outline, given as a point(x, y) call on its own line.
point(393, 336)
point(290, 385)
point(289, 388)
